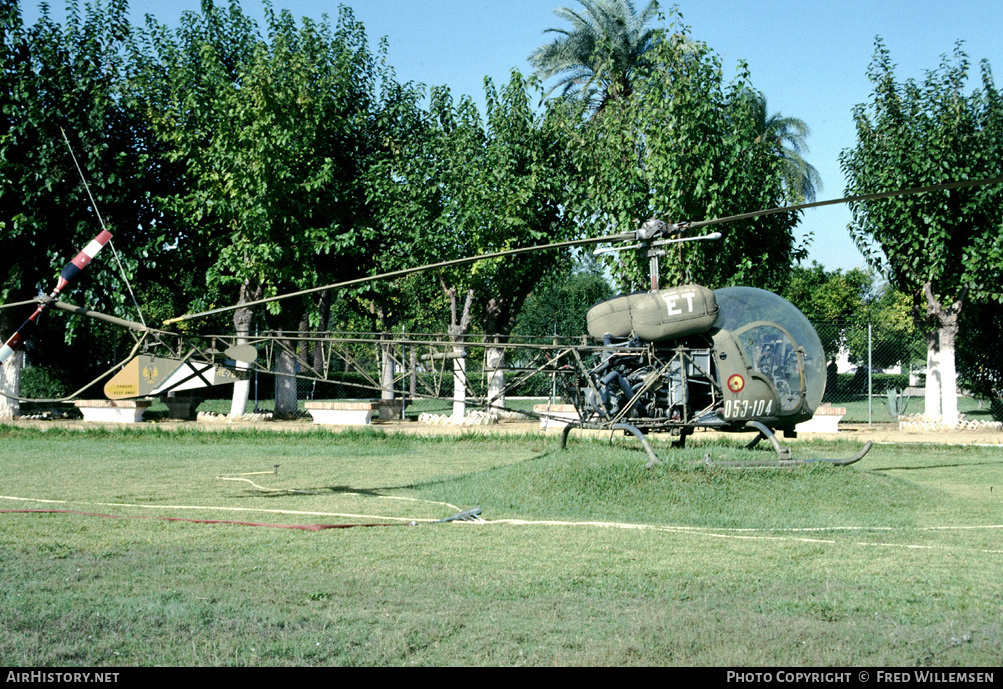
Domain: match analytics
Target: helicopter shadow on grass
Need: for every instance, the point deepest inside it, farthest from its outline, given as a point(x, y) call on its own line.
point(957, 465)
point(379, 491)
point(440, 480)
point(311, 491)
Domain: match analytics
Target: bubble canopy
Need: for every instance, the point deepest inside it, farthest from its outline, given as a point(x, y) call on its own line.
point(748, 310)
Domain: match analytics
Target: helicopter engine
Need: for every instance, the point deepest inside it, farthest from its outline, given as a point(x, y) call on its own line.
point(653, 354)
point(653, 383)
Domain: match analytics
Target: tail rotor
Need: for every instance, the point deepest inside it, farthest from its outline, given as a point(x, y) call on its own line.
point(67, 277)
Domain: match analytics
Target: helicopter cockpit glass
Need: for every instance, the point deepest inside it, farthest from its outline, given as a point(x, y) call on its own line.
point(771, 330)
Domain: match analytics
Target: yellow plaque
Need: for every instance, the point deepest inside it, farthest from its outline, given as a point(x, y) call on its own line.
point(139, 377)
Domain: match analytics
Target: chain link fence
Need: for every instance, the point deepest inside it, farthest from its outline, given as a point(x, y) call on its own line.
point(876, 371)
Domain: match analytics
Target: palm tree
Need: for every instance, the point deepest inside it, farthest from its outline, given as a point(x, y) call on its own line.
point(789, 135)
point(599, 57)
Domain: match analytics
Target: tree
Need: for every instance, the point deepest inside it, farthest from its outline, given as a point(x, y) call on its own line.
point(944, 247)
point(600, 57)
point(457, 184)
point(790, 136)
point(830, 299)
point(525, 171)
point(71, 78)
point(558, 304)
point(404, 191)
point(420, 187)
point(893, 338)
point(272, 134)
point(685, 146)
point(979, 363)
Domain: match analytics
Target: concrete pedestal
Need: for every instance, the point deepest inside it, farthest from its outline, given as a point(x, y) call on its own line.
point(114, 411)
point(343, 413)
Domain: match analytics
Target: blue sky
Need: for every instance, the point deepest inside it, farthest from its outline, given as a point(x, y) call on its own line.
point(808, 58)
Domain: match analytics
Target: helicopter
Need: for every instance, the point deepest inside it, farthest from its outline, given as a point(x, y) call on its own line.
point(736, 359)
point(672, 360)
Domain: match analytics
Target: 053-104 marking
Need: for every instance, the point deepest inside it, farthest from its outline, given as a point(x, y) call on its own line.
point(740, 409)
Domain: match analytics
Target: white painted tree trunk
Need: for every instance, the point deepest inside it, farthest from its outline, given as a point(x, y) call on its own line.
point(932, 392)
point(495, 360)
point(459, 383)
point(942, 374)
point(241, 393)
point(459, 323)
point(948, 379)
point(241, 388)
point(10, 384)
point(387, 377)
point(242, 327)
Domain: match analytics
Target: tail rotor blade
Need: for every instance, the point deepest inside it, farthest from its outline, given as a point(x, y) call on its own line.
point(67, 277)
point(18, 338)
point(72, 270)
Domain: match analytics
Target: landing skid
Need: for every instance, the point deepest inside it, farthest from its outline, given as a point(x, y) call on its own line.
point(784, 458)
point(626, 427)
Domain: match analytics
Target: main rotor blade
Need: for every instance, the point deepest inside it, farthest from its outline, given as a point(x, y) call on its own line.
point(622, 237)
point(97, 315)
point(847, 199)
point(67, 277)
point(15, 304)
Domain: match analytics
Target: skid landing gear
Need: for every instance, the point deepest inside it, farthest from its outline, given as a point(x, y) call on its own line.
point(783, 459)
point(783, 453)
point(627, 428)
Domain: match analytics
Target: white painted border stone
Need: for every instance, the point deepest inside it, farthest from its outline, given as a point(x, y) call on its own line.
point(555, 416)
point(343, 413)
point(825, 420)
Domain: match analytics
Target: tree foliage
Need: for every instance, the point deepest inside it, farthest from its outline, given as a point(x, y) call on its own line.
point(894, 339)
point(599, 59)
point(686, 146)
point(921, 134)
point(456, 184)
point(939, 247)
point(271, 134)
point(558, 304)
point(829, 296)
point(844, 306)
point(979, 363)
point(71, 78)
point(790, 136)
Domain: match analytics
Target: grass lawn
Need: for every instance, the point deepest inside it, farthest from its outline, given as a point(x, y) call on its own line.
point(587, 558)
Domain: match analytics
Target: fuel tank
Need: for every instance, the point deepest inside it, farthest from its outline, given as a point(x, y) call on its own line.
point(655, 316)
